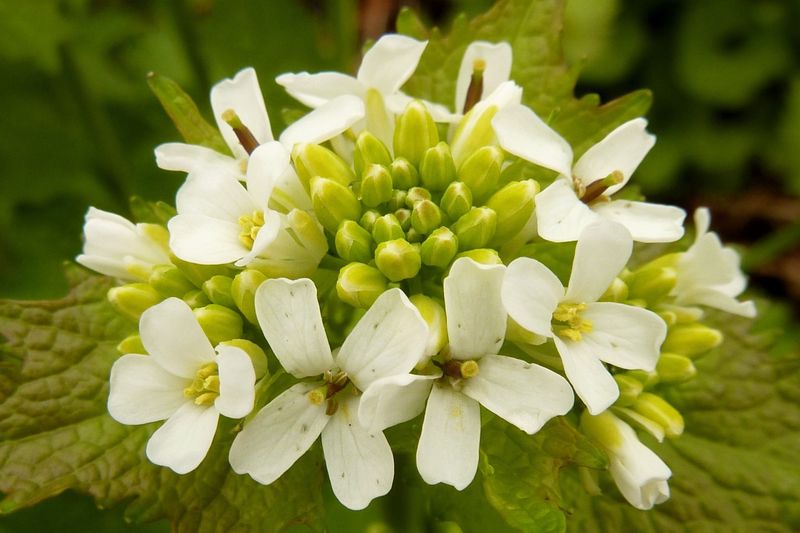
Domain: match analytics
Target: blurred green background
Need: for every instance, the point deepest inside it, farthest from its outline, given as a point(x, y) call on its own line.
point(80, 125)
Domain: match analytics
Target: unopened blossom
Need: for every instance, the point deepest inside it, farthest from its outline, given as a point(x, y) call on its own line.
point(586, 332)
point(582, 194)
point(388, 340)
point(473, 374)
point(183, 380)
point(117, 247)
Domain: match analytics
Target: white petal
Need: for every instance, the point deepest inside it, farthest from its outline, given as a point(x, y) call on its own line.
point(521, 393)
point(622, 149)
point(193, 157)
point(173, 338)
point(602, 252)
point(269, 232)
point(560, 215)
point(289, 316)
point(624, 335)
point(237, 380)
point(390, 62)
point(243, 95)
point(359, 462)
point(394, 399)
point(497, 58)
point(451, 434)
point(108, 267)
point(531, 293)
point(289, 193)
point(204, 240)
point(266, 165)
point(476, 318)
point(222, 197)
point(645, 221)
point(522, 133)
point(639, 473)
point(702, 221)
point(183, 441)
point(142, 392)
point(115, 237)
point(315, 90)
point(388, 340)
point(708, 264)
point(326, 121)
point(278, 435)
point(718, 300)
point(587, 374)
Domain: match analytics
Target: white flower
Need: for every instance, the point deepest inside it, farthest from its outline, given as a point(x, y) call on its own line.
point(388, 340)
point(116, 247)
point(640, 474)
point(524, 394)
point(581, 194)
point(586, 332)
point(495, 61)
point(183, 380)
point(709, 273)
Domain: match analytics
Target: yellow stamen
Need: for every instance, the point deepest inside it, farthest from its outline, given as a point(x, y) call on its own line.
point(205, 385)
point(250, 224)
point(568, 322)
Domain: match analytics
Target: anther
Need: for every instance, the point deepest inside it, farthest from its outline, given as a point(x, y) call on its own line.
point(243, 133)
point(596, 189)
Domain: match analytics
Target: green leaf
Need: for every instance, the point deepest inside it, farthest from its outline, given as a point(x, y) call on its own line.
point(56, 435)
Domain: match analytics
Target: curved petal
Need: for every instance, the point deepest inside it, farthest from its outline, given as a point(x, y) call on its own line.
point(173, 338)
point(278, 435)
point(388, 340)
point(359, 462)
point(326, 121)
point(560, 215)
point(622, 149)
point(183, 441)
point(639, 473)
point(531, 293)
point(274, 224)
point(588, 376)
point(204, 240)
point(476, 318)
point(289, 316)
point(266, 165)
point(394, 399)
point(115, 268)
point(702, 221)
point(237, 380)
point(222, 197)
point(521, 393)
point(645, 221)
point(193, 157)
point(315, 90)
point(718, 300)
point(243, 95)
point(288, 193)
point(451, 434)
point(497, 60)
point(390, 62)
point(142, 392)
point(709, 264)
point(115, 237)
point(602, 252)
point(624, 335)
point(522, 133)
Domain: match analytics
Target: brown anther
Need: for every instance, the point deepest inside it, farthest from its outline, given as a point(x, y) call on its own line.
point(243, 133)
point(475, 89)
point(596, 189)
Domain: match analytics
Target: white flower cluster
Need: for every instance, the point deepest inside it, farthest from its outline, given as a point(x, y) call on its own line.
point(437, 295)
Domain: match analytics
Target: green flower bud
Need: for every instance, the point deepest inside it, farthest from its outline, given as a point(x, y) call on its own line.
point(691, 339)
point(353, 243)
point(313, 160)
point(437, 169)
point(368, 219)
point(439, 248)
point(243, 292)
point(617, 292)
point(360, 285)
point(131, 344)
point(195, 298)
point(652, 284)
point(218, 290)
point(413, 235)
point(219, 323)
point(629, 389)
point(376, 186)
point(398, 259)
point(169, 281)
point(387, 228)
point(433, 314)
point(416, 194)
point(369, 150)
point(404, 174)
point(481, 172)
point(415, 132)
point(484, 256)
point(426, 217)
point(256, 354)
point(674, 368)
point(333, 203)
point(645, 377)
point(133, 299)
point(476, 228)
point(398, 200)
point(659, 411)
point(456, 200)
point(514, 207)
point(198, 274)
point(403, 216)
point(157, 232)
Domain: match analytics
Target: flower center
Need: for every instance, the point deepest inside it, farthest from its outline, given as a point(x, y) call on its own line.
point(250, 224)
point(461, 369)
point(334, 383)
point(567, 321)
point(205, 386)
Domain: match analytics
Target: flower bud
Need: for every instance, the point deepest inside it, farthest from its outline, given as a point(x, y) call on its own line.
point(243, 292)
point(416, 194)
point(691, 339)
point(368, 219)
point(398, 200)
point(414, 133)
point(514, 207)
point(481, 172)
point(218, 290)
point(456, 200)
point(254, 351)
point(133, 299)
point(353, 243)
point(198, 274)
point(426, 217)
point(219, 323)
point(376, 186)
point(387, 228)
point(659, 411)
point(131, 344)
point(369, 150)
point(398, 259)
point(647, 378)
point(616, 292)
point(360, 285)
point(169, 281)
point(433, 314)
point(484, 256)
point(476, 228)
point(313, 160)
point(629, 389)
point(403, 216)
point(404, 174)
point(439, 248)
point(674, 368)
point(333, 203)
point(652, 284)
point(195, 298)
point(437, 169)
